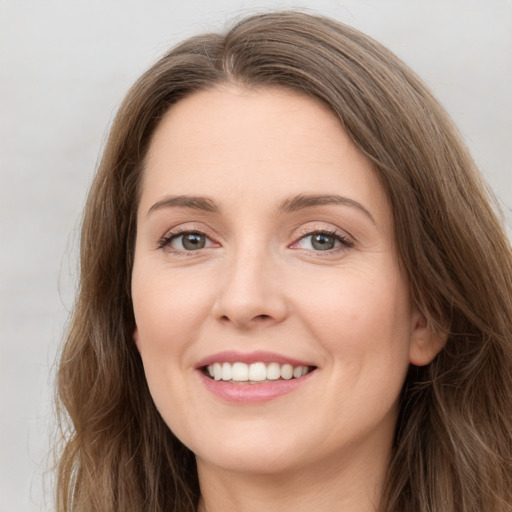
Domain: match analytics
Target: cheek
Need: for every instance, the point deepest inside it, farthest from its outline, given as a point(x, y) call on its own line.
point(167, 314)
point(362, 319)
point(167, 310)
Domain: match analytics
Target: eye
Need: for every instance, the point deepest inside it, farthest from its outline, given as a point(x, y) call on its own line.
point(191, 241)
point(185, 241)
point(322, 241)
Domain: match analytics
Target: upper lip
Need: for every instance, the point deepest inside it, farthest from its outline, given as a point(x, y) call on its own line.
point(259, 356)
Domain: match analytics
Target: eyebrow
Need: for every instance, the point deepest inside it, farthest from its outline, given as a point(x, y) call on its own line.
point(292, 204)
point(303, 201)
point(192, 202)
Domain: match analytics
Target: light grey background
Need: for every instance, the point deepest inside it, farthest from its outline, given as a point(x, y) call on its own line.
point(65, 66)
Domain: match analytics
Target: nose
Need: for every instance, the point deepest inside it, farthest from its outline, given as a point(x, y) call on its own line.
point(251, 292)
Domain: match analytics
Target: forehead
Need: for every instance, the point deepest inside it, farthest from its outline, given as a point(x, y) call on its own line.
point(260, 144)
point(248, 120)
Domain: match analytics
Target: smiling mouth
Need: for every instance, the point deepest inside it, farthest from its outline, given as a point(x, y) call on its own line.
point(255, 373)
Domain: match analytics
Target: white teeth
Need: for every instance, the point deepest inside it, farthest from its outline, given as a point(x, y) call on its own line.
point(287, 371)
point(240, 372)
point(226, 371)
point(255, 372)
point(273, 371)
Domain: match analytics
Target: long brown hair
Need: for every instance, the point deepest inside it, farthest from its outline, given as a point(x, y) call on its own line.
point(453, 444)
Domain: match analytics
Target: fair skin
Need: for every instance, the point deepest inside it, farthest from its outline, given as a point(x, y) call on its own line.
point(264, 236)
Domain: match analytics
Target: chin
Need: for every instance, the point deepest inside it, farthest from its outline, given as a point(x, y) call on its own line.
point(251, 461)
point(252, 454)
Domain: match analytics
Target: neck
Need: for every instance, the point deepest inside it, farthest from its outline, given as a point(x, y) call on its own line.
point(339, 485)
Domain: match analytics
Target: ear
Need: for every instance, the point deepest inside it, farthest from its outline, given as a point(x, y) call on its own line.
point(425, 342)
point(136, 338)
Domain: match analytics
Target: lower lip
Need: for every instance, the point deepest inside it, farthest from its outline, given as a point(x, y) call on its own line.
point(249, 393)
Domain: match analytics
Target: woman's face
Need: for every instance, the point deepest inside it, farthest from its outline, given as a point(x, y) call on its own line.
point(273, 320)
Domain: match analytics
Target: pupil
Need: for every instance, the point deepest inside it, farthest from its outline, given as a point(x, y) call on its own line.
point(193, 241)
point(322, 242)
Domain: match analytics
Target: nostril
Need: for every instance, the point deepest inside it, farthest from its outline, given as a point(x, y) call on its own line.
point(254, 320)
point(262, 317)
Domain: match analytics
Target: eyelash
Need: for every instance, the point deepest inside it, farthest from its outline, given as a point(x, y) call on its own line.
point(169, 237)
point(345, 242)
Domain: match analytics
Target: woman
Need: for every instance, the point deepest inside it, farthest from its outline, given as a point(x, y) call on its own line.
point(294, 291)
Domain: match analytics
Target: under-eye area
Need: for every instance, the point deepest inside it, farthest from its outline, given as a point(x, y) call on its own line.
point(255, 372)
